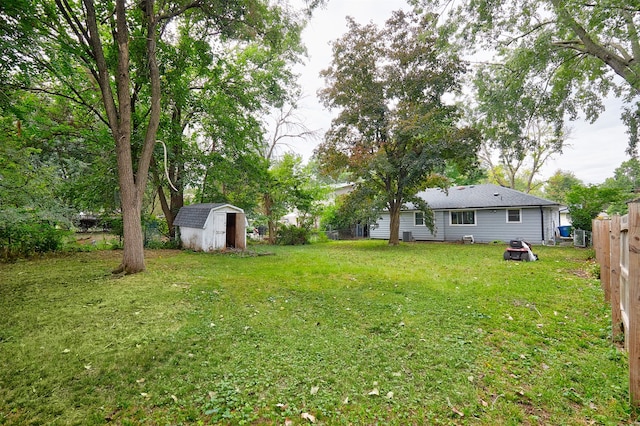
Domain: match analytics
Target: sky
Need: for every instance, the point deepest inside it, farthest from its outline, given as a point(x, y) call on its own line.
point(594, 151)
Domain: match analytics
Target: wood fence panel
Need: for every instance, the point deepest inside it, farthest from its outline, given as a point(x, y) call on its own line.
point(605, 270)
point(634, 303)
point(614, 278)
point(622, 253)
point(624, 276)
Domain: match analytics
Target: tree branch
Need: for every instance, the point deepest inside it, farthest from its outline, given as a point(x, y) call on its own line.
point(590, 46)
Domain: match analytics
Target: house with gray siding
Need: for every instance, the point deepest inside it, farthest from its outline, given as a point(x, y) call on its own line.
point(482, 213)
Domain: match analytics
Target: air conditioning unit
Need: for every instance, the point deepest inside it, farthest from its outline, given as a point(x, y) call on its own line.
point(407, 236)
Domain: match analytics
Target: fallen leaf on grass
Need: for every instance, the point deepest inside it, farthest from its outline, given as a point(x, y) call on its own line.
point(282, 406)
point(140, 380)
point(484, 403)
point(458, 412)
point(87, 366)
point(314, 390)
point(175, 398)
point(288, 422)
point(66, 351)
point(389, 395)
point(309, 417)
point(375, 391)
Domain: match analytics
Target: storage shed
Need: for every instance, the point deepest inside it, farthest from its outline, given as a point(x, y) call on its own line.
point(212, 226)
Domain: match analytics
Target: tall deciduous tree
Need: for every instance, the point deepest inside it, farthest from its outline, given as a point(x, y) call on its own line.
point(587, 202)
point(521, 123)
point(394, 132)
point(626, 179)
point(290, 187)
point(578, 46)
point(286, 173)
point(210, 122)
point(559, 185)
point(112, 48)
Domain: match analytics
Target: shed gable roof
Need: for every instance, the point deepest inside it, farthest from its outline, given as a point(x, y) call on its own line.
point(480, 196)
point(195, 215)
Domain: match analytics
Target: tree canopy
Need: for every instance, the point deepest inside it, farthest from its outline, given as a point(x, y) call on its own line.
point(394, 132)
point(115, 60)
point(559, 185)
point(579, 51)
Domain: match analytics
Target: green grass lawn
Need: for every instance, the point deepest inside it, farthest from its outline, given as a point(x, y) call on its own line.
point(338, 333)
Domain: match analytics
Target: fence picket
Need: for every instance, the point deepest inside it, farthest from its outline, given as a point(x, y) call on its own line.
point(617, 245)
point(614, 278)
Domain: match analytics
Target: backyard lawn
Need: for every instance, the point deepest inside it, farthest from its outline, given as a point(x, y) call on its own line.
point(332, 333)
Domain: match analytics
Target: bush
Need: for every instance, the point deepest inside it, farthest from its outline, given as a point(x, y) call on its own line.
point(23, 239)
point(292, 235)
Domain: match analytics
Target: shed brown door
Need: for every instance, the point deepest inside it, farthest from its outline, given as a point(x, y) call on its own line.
point(241, 231)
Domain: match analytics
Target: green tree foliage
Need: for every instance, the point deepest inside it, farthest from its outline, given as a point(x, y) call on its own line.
point(521, 123)
point(559, 185)
point(578, 52)
point(291, 187)
point(626, 180)
point(211, 120)
point(394, 132)
point(30, 211)
point(587, 202)
point(355, 207)
point(107, 57)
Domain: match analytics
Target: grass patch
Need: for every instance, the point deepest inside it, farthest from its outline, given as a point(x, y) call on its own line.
point(348, 332)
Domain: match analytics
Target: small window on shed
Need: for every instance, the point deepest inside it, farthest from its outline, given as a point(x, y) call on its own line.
point(513, 216)
point(418, 219)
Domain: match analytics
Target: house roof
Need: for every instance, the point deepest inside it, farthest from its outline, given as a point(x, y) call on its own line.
point(195, 215)
point(480, 196)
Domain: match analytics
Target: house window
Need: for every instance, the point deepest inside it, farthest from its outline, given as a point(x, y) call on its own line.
point(418, 219)
point(463, 217)
point(513, 216)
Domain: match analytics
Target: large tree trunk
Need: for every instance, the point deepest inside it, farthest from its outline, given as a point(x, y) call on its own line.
point(271, 223)
point(132, 183)
point(133, 244)
point(394, 223)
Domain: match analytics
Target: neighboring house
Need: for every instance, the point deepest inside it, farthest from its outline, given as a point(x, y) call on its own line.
point(480, 213)
point(209, 227)
point(565, 217)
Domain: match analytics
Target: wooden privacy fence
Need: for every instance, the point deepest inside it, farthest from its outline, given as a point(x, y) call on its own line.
point(617, 245)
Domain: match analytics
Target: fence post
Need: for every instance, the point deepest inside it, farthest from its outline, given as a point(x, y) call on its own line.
point(600, 236)
point(614, 277)
point(634, 303)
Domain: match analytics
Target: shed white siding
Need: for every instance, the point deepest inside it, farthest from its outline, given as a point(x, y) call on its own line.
point(192, 238)
point(213, 233)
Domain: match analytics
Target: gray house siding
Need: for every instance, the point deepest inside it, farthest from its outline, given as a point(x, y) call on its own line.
point(490, 225)
point(534, 219)
point(407, 223)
